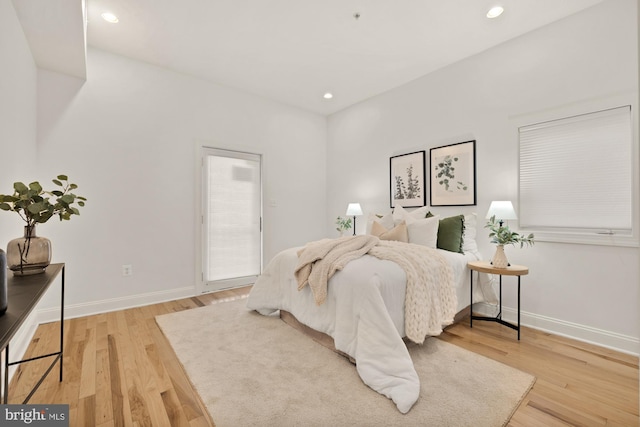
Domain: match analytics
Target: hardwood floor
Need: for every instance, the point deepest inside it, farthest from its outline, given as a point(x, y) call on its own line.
point(577, 384)
point(120, 371)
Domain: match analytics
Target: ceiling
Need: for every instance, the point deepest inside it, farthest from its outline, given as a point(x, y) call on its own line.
point(291, 51)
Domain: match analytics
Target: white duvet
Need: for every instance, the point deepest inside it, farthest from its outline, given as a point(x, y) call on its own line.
point(363, 313)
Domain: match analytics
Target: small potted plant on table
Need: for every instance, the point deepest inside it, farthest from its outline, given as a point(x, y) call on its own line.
point(501, 235)
point(343, 224)
point(32, 254)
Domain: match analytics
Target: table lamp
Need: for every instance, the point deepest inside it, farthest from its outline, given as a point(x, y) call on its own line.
point(354, 210)
point(502, 210)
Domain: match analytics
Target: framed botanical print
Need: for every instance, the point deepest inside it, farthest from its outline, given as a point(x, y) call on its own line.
point(453, 174)
point(407, 180)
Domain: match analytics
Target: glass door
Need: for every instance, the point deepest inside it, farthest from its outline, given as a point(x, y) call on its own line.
point(232, 218)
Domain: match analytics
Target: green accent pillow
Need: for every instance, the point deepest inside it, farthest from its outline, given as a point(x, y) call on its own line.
point(450, 231)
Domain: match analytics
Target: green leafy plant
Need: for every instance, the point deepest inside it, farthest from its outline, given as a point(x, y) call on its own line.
point(36, 206)
point(343, 224)
point(502, 235)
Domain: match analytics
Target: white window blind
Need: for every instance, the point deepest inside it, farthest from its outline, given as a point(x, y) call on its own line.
point(232, 218)
point(576, 173)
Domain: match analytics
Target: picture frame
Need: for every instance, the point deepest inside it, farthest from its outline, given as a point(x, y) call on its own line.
point(453, 174)
point(407, 180)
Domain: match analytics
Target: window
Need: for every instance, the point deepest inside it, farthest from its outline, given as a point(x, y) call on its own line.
point(576, 178)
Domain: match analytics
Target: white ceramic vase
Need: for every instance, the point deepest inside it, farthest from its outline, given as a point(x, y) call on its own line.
point(500, 258)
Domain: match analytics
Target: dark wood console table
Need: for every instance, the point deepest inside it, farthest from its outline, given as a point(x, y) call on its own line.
point(23, 293)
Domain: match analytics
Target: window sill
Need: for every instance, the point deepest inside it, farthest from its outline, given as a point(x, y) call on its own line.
point(584, 238)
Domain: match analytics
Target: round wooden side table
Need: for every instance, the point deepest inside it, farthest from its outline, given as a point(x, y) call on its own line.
point(512, 270)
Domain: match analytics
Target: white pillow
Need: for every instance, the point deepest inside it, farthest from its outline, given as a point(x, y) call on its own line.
point(423, 231)
point(385, 220)
point(400, 213)
point(469, 243)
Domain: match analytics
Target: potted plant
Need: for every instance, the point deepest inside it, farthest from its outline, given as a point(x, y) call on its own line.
point(343, 224)
point(31, 254)
point(501, 235)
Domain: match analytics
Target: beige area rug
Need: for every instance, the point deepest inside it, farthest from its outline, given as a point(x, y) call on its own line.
point(252, 370)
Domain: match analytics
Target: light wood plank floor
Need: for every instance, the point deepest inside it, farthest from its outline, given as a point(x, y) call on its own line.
point(120, 371)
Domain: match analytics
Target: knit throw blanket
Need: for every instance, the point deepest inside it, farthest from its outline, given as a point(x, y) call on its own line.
point(430, 299)
point(319, 260)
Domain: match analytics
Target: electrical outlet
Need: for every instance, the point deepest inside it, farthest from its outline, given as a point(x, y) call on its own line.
point(127, 270)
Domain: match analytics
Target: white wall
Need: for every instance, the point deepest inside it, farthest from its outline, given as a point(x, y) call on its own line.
point(588, 59)
point(17, 136)
point(128, 136)
point(17, 113)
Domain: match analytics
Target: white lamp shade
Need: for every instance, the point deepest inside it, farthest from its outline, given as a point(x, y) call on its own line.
point(354, 209)
point(502, 210)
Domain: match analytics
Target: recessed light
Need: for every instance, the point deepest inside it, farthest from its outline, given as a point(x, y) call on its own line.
point(328, 95)
point(110, 17)
point(495, 11)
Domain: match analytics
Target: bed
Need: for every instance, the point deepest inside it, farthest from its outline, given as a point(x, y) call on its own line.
point(364, 308)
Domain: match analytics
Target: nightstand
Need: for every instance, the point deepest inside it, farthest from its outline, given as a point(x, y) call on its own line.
point(512, 270)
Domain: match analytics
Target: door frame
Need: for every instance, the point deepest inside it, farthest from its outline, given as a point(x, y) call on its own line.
point(201, 284)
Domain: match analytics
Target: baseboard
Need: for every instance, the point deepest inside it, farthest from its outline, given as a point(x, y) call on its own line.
point(608, 339)
point(71, 311)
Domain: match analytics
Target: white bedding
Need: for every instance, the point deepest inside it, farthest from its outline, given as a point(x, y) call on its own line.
point(363, 313)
